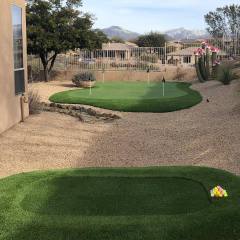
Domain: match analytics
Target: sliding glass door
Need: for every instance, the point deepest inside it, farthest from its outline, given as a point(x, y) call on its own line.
point(18, 50)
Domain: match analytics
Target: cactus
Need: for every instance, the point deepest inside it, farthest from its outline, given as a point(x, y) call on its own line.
point(214, 64)
point(208, 73)
point(198, 69)
point(214, 57)
point(202, 65)
point(204, 69)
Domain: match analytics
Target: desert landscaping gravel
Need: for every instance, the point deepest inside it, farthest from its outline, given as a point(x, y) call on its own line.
point(205, 135)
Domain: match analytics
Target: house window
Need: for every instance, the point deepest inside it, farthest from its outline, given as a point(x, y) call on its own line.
point(187, 59)
point(18, 50)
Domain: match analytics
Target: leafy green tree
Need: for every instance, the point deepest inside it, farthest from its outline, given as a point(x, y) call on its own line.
point(225, 20)
point(56, 26)
point(152, 39)
point(99, 38)
point(91, 40)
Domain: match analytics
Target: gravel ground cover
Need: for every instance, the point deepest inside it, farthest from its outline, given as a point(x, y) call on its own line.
point(206, 135)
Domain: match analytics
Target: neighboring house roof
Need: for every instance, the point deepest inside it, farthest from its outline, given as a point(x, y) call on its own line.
point(194, 41)
point(131, 44)
point(118, 46)
point(190, 52)
point(174, 44)
point(184, 52)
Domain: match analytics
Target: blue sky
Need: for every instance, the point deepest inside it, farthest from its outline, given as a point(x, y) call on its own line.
point(157, 15)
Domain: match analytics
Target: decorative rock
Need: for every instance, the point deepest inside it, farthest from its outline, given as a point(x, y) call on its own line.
point(80, 112)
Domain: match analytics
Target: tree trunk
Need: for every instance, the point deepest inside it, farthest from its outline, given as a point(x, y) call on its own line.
point(45, 73)
point(43, 57)
point(45, 62)
point(52, 61)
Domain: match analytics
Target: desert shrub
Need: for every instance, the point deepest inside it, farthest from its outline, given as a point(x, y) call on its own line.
point(83, 76)
point(225, 74)
point(34, 102)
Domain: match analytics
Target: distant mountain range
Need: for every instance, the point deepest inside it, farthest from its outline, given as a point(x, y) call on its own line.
point(182, 33)
point(116, 31)
point(174, 34)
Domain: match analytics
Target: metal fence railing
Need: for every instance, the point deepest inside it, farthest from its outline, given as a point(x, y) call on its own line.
point(138, 59)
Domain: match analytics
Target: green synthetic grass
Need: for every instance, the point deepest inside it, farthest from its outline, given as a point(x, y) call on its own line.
point(116, 196)
point(133, 96)
point(167, 203)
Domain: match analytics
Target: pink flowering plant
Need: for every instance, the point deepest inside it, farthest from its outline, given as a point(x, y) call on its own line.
point(201, 51)
point(203, 59)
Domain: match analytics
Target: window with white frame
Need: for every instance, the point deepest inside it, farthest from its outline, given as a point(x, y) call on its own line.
point(18, 50)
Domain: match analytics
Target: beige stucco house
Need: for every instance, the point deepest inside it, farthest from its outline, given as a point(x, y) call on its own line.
point(13, 63)
point(120, 51)
point(182, 56)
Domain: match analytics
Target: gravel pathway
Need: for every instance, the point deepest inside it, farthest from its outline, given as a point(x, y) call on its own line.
point(205, 135)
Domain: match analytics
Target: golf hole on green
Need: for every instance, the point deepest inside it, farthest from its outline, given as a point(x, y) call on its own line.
point(133, 96)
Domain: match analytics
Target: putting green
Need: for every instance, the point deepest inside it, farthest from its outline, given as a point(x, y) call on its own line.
point(133, 96)
point(167, 203)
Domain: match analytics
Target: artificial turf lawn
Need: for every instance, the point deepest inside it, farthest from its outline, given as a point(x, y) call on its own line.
point(133, 96)
point(167, 203)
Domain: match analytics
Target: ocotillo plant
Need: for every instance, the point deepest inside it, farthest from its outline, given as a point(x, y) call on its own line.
point(203, 56)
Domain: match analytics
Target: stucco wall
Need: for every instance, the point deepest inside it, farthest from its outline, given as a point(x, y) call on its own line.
point(170, 73)
point(10, 110)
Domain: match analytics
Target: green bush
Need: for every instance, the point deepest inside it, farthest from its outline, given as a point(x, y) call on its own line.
point(225, 74)
point(83, 77)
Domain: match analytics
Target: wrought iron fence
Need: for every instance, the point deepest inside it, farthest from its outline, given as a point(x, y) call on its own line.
point(139, 58)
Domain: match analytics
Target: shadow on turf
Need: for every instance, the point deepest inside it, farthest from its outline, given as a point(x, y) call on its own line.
point(116, 196)
point(165, 104)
